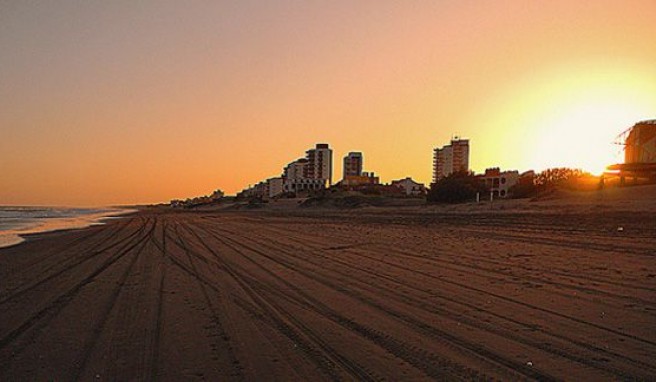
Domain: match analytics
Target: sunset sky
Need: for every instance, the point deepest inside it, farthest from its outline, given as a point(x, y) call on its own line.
point(119, 102)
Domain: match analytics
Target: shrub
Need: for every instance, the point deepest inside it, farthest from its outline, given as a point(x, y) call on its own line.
point(458, 187)
point(525, 188)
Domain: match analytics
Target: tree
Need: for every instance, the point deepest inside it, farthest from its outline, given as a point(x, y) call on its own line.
point(456, 188)
point(217, 194)
point(558, 177)
point(525, 187)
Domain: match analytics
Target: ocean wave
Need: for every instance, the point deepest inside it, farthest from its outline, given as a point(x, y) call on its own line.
point(18, 221)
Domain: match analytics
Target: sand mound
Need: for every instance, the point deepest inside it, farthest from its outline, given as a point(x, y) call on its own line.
point(351, 201)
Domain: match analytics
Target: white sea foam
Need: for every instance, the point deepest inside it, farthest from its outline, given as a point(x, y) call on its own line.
point(18, 221)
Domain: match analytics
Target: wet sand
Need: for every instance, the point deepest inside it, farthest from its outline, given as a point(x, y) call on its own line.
point(334, 295)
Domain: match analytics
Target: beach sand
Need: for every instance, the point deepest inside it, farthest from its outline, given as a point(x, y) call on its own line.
point(563, 288)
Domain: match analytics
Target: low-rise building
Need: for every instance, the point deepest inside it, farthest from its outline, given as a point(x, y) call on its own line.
point(367, 178)
point(410, 187)
point(300, 185)
point(275, 187)
point(499, 182)
point(217, 195)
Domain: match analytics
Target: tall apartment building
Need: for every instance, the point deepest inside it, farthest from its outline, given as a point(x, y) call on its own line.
point(320, 163)
point(352, 164)
point(302, 176)
point(451, 158)
point(295, 178)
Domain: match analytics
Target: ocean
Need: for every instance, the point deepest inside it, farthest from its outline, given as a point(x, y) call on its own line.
point(16, 221)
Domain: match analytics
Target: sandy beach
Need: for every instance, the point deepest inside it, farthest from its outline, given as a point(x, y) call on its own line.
point(548, 293)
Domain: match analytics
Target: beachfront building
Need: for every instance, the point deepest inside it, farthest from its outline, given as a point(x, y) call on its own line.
point(451, 158)
point(314, 172)
point(366, 178)
point(641, 143)
point(259, 190)
point(217, 195)
point(499, 182)
point(639, 154)
point(296, 169)
point(409, 187)
point(320, 163)
point(303, 185)
point(275, 187)
point(354, 177)
point(352, 165)
point(296, 177)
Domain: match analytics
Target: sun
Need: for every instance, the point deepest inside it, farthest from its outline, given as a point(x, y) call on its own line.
point(582, 134)
point(581, 113)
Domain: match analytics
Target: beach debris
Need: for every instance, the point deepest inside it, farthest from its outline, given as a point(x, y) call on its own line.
point(529, 363)
point(620, 229)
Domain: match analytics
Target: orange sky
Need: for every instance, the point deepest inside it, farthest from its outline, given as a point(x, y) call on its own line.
point(118, 103)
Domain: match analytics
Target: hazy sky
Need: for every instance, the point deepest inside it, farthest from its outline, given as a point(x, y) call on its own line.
point(106, 102)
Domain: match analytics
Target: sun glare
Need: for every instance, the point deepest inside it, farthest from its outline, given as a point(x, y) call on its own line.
point(583, 114)
point(568, 117)
point(582, 135)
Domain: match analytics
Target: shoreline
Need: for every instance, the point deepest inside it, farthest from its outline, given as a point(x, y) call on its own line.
point(54, 225)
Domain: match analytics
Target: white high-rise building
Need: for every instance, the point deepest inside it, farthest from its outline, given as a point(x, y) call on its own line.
point(320, 163)
point(298, 176)
point(451, 158)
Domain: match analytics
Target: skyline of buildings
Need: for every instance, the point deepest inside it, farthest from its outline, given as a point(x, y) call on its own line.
point(314, 171)
point(304, 176)
point(310, 173)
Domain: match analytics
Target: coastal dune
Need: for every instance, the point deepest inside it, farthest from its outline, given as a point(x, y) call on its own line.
point(334, 295)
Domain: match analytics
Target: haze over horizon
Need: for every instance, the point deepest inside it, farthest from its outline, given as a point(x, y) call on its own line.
point(123, 103)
